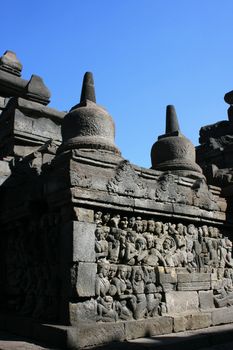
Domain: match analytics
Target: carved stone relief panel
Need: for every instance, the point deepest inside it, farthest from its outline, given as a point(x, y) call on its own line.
point(140, 260)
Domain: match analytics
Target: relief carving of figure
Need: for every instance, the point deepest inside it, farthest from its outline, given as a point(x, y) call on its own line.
point(142, 252)
point(138, 286)
point(130, 249)
point(106, 310)
point(102, 281)
point(169, 247)
point(152, 296)
point(224, 296)
point(101, 244)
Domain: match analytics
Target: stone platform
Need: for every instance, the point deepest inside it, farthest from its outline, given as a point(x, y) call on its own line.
point(214, 338)
point(90, 334)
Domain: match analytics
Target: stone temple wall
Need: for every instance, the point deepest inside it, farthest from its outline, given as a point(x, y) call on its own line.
point(98, 247)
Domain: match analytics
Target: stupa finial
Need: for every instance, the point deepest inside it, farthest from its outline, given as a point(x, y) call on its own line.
point(88, 88)
point(172, 123)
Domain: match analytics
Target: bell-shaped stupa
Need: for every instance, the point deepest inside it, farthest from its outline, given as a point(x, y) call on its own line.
point(88, 125)
point(173, 152)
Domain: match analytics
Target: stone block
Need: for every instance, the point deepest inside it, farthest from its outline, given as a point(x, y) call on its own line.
point(198, 321)
point(85, 215)
point(91, 334)
point(193, 281)
point(181, 301)
point(78, 241)
point(193, 277)
point(191, 321)
point(86, 276)
point(206, 299)
point(84, 311)
point(222, 315)
point(179, 324)
point(149, 327)
point(84, 241)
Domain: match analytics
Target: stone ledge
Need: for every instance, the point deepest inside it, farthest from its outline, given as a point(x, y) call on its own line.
point(97, 334)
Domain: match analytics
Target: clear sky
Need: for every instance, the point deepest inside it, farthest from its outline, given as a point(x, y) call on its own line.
point(144, 54)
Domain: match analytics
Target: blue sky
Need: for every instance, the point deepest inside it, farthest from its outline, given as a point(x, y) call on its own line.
point(144, 54)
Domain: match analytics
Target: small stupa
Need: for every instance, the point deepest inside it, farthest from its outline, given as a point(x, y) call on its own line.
point(88, 125)
point(173, 152)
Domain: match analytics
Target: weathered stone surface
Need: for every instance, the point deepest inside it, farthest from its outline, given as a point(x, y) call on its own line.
point(181, 301)
point(85, 215)
point(192, 321)
point(206, 299)
point(222, 315)
point(37, 91)
point(179, 324)
point(85, 284)
point(152, 327)
point(85, 311)
point(95, 334)
point(10, 63)
point(78, 239)
point(193, 281)
point(84, 241)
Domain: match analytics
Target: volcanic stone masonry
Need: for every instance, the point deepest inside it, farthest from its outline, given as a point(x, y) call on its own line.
point(100, 249)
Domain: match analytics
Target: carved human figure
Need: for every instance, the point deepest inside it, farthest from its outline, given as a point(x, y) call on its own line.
point(222, 252)
point(123, 224)
point(152, 257)
point(169, 247)
point(171, 228)
point(114, 221)
point(151, 226)
point(224, 296)
point(123, 311)
point(142, 252)
point(130, 250)
point(106, 309)
point(160, 235)
point(102, 281)
point(139, 304)
point(112, 272)
point(181, 252)
point(114, 244)
point(195, 236)
point(120, 285)
point(212, 245)
point(144, 226)
point(101, 244)
point(138, 225)
point(105, 220)
point(131, 223)
point(158, 228)
point(98, 217)
point(225, 253)
point(152, 296)
point(158, 258)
